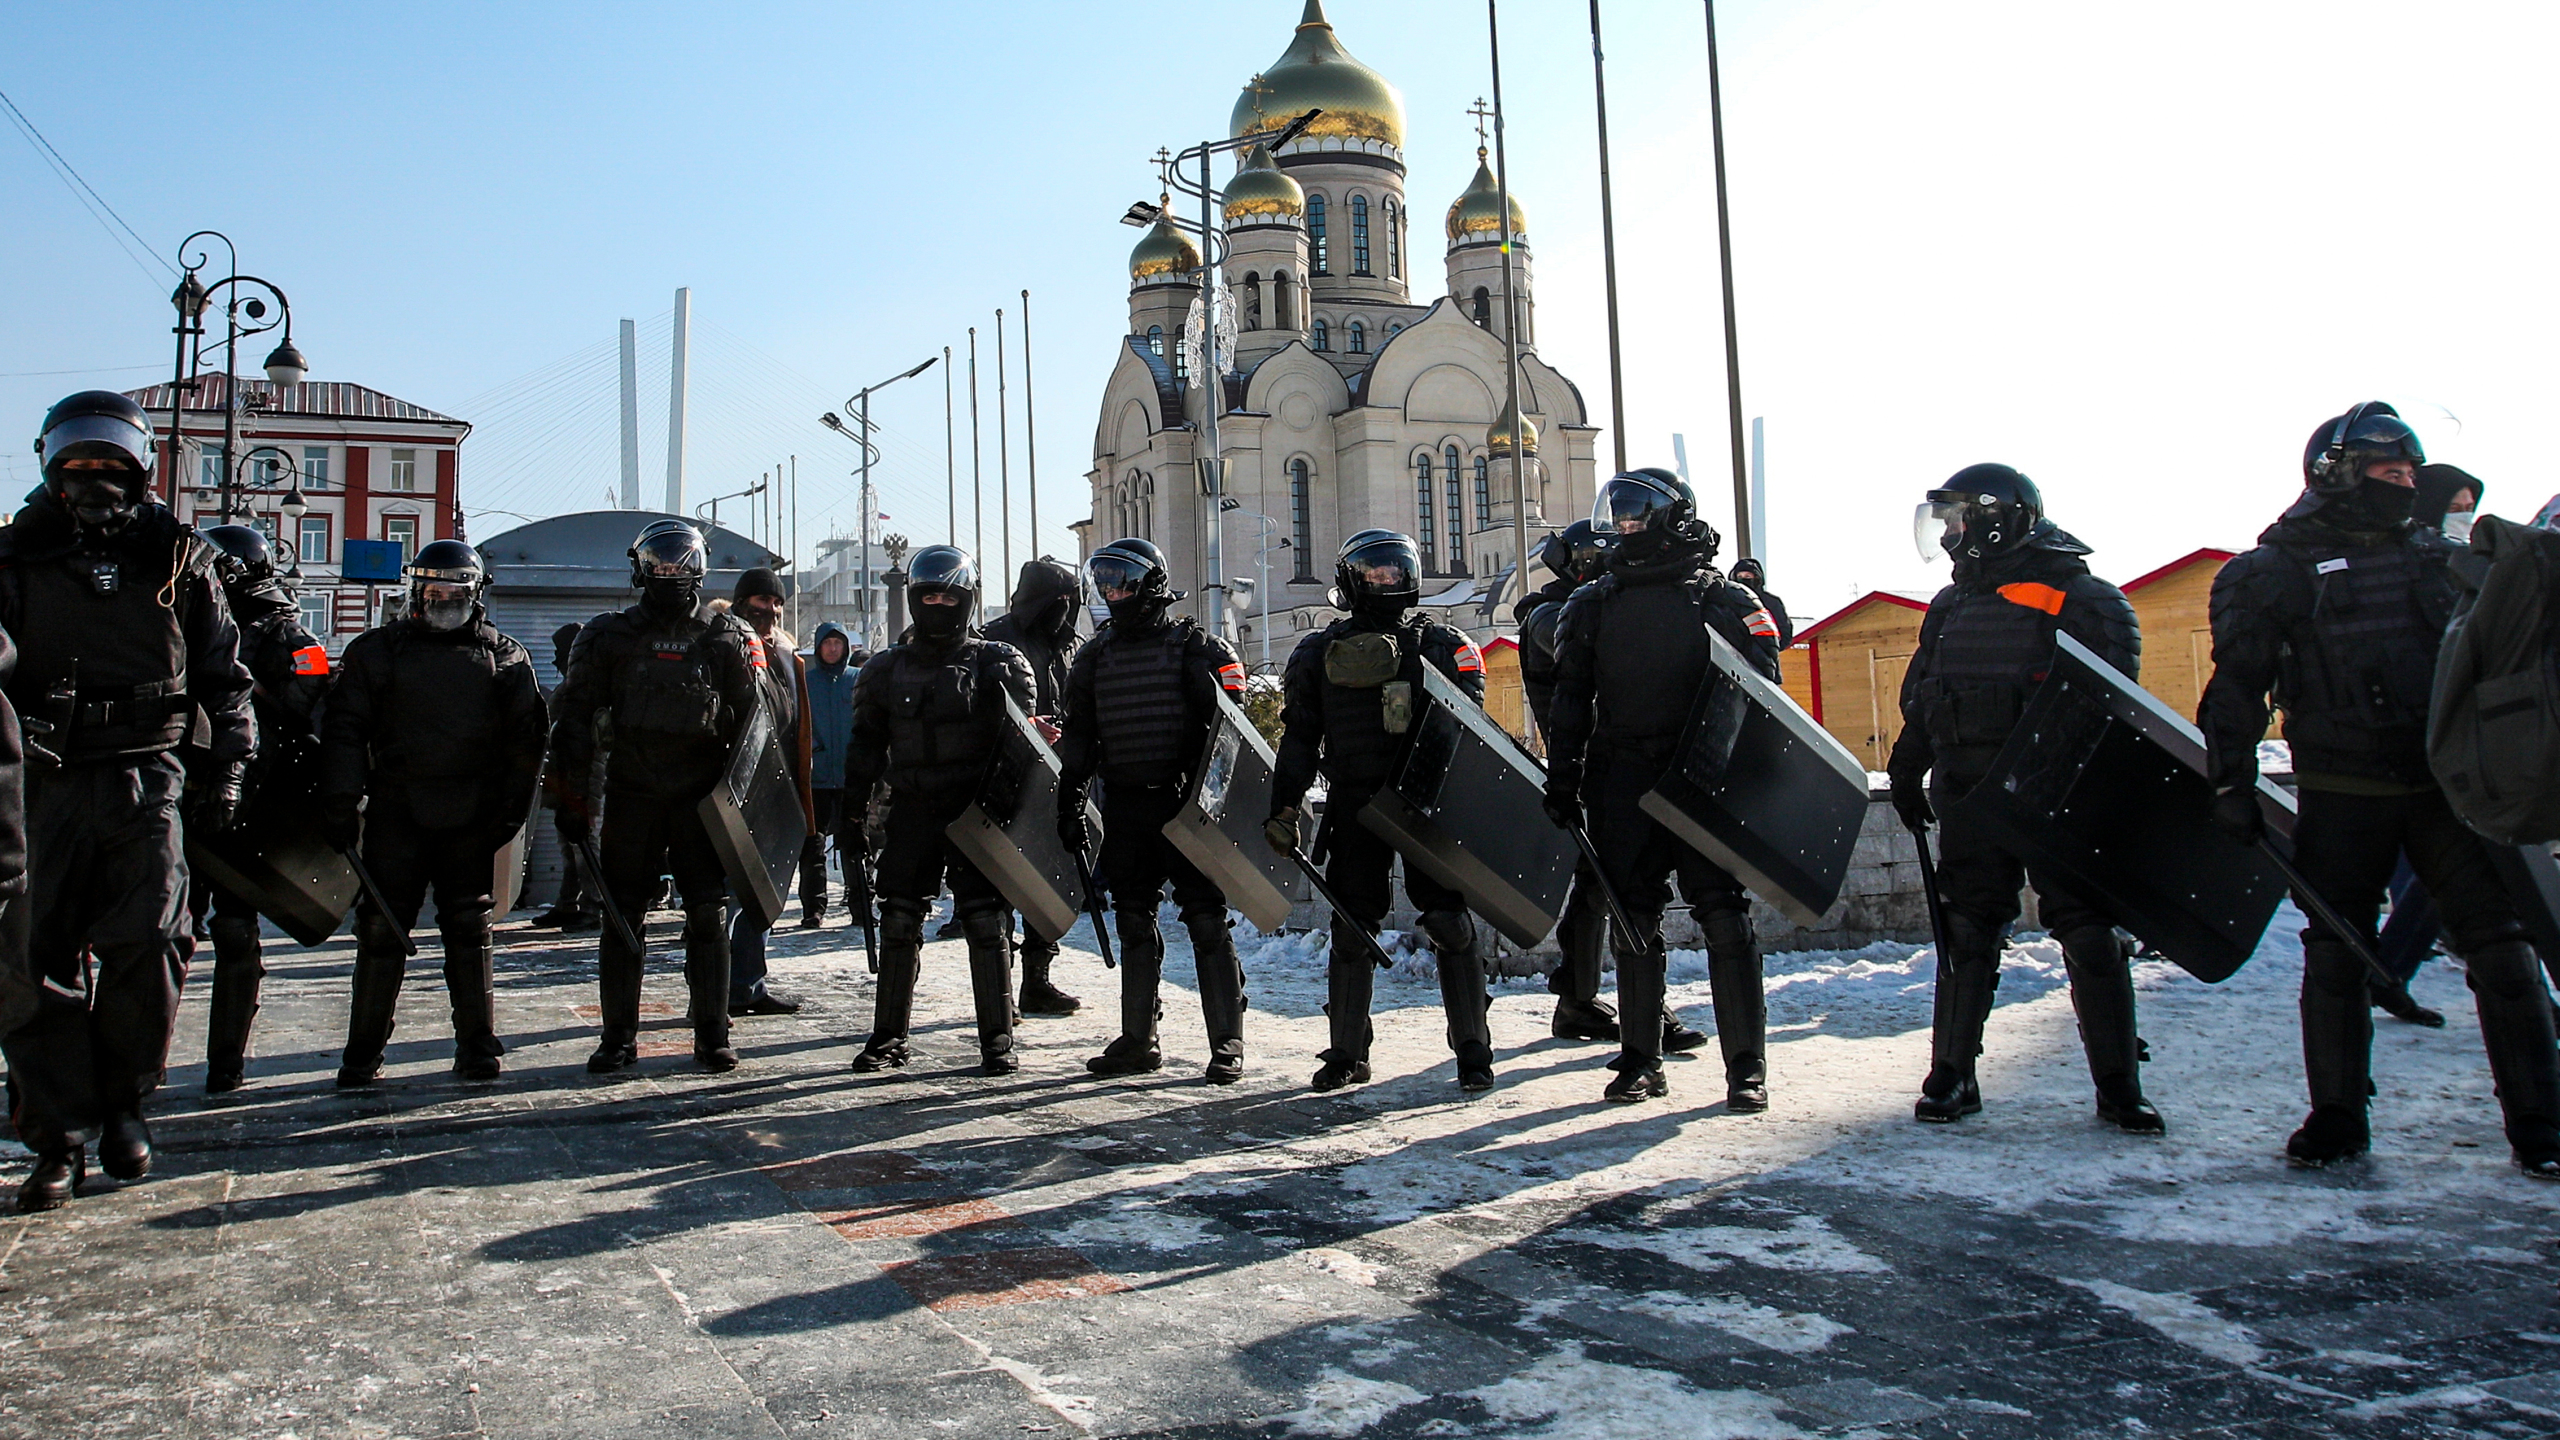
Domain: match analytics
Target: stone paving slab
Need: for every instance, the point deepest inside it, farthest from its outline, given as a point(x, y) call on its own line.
point(794, 1249)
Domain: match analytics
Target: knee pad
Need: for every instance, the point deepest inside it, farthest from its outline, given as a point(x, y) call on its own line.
point(375, 934)
point(901, 920)
point(1137, 924)
point(233, 930)
point(1729, 932)
point(2506, 971)
point(983, 924)
point(2330, 967)
point(1453, 931)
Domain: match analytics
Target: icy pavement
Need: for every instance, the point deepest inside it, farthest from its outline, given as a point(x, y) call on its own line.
point(794, 1249)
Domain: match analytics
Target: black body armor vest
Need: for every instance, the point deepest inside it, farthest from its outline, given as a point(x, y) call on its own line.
point(1146, 732)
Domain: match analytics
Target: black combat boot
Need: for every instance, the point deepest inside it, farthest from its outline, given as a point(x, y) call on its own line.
point(1221, 977)
point(1742, 1009)
point(471, 982)
point(991, 984)
point(1136, 1051)
point(376, 999)
point(2337, 1056)
point(2516, 1026)
point(2102, 996)
point(706, 981)
point(894, 990)
point(1463, 998)
point(239, 969)
point(1968, 976)
point(1639, 1077)
point(54, 1181)
point(618, 972)
point(1349, 976)
point(2396, 1002)
point(1039, 997)
point(124, 1145)
point(1580, 1012)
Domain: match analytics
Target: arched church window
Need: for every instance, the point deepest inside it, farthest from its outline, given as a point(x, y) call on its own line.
point(1457, 511)
point(1484, 307)
point(1252, 300)
point(1155, 340)
point(1359, 338)
point(1146, 516)
point(1394, 328)
point(1316, 254)
point(1484, 493)
point(1323, 339)
point(1128, 517)
point(1395, 242)
point(1301, 538)
point(1359, 234)
point(1425, 532)
point(1284, 302)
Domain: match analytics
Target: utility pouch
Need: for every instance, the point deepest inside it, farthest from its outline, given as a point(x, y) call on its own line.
point(1395, 706)
point(1363, 661)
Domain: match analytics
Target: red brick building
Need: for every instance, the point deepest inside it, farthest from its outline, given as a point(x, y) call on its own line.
point(374, 467)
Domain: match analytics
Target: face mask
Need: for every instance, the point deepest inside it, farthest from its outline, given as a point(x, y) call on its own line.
point(2457, 526)
point(671, 598)
point(444, 614)
point(941, 622)
point(1135, 612)
point(100, 500)
point(2388, 503)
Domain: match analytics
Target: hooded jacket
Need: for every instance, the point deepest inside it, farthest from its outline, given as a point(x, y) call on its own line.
point(1042, 628)
point(830, 709)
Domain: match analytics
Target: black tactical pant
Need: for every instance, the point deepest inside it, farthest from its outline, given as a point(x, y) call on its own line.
point(1359, 868)
point(576, 886)
point(916, 860)
point(1137, 863)
point(1641, 858)
point(106, 938)
point(408, 860)
point(1580, 933)
point(1978, 883)
point(647, 837)
point(2346, 847)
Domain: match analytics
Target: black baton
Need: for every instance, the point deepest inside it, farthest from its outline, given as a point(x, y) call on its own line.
point(373, 897)
point(1608, 892)
point(1315, 881)
point(1929, 890)
point(612, 912)
point(2318, 904)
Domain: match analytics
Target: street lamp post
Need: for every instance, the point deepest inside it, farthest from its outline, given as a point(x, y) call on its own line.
point(860, 405)
point(285, 365)
point(1262, 555)
point(290, 509)
point(1211, 377)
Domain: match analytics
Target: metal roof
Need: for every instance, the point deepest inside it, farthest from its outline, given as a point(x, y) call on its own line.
point(336, 399)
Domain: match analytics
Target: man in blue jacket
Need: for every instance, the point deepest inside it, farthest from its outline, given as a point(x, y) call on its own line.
point(831, 673)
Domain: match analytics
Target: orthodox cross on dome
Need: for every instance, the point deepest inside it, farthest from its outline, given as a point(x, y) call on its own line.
point(1164, 172)
point(1484, 116)
point(1258, 88)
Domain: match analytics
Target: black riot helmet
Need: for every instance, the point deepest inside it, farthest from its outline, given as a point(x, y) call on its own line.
point(668, 563)
point(1377, 573)
point(1649, 512)
point(243, 561)
point(445, 582)
point(942, 590)
point(1576, 553)
point(2334, 460)
point(96, 450)
point(1129, 579)
point(1981, 511)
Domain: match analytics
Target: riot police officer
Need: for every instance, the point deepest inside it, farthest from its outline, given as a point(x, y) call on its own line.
point(928, 714)
point(1753, 576)
point(1984, 648)
point(1349, 699)
point(125, 645)
point(667, 687)
point(1140, 702)
point(2339, 613)
point(1577, 557)
point(434, 732)
point(291, 668)
point(1632, 652)
point(1041, 623)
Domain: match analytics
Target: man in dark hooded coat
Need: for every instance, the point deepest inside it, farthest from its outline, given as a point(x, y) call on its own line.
point(1041, 623)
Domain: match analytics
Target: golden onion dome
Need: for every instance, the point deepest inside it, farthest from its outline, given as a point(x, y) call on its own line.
point(1474, 216)
point(1497, 438)
point(1316, 73)
point(1261, 187)
point(1163, 251)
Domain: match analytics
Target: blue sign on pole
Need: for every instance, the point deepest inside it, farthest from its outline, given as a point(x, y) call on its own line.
point(372, 561)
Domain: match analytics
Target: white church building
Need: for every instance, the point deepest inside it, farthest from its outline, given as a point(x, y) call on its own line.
point(1351, 401)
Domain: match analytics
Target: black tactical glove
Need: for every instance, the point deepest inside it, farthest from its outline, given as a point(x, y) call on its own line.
point(1280, 830)
point(1563, 802)
point(216, 802)
point(1911, 799)
point(1074, 831)
point(2235, 811)
point(341, 821)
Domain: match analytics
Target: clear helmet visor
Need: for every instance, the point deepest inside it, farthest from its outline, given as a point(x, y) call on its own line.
point(98, 437)
point(1626, 505)
point(1386, 566)
point(1936, 526)
point(1115, 577)
point(671, 557)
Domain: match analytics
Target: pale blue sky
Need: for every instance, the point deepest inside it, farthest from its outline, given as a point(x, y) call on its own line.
point(2136, 251)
